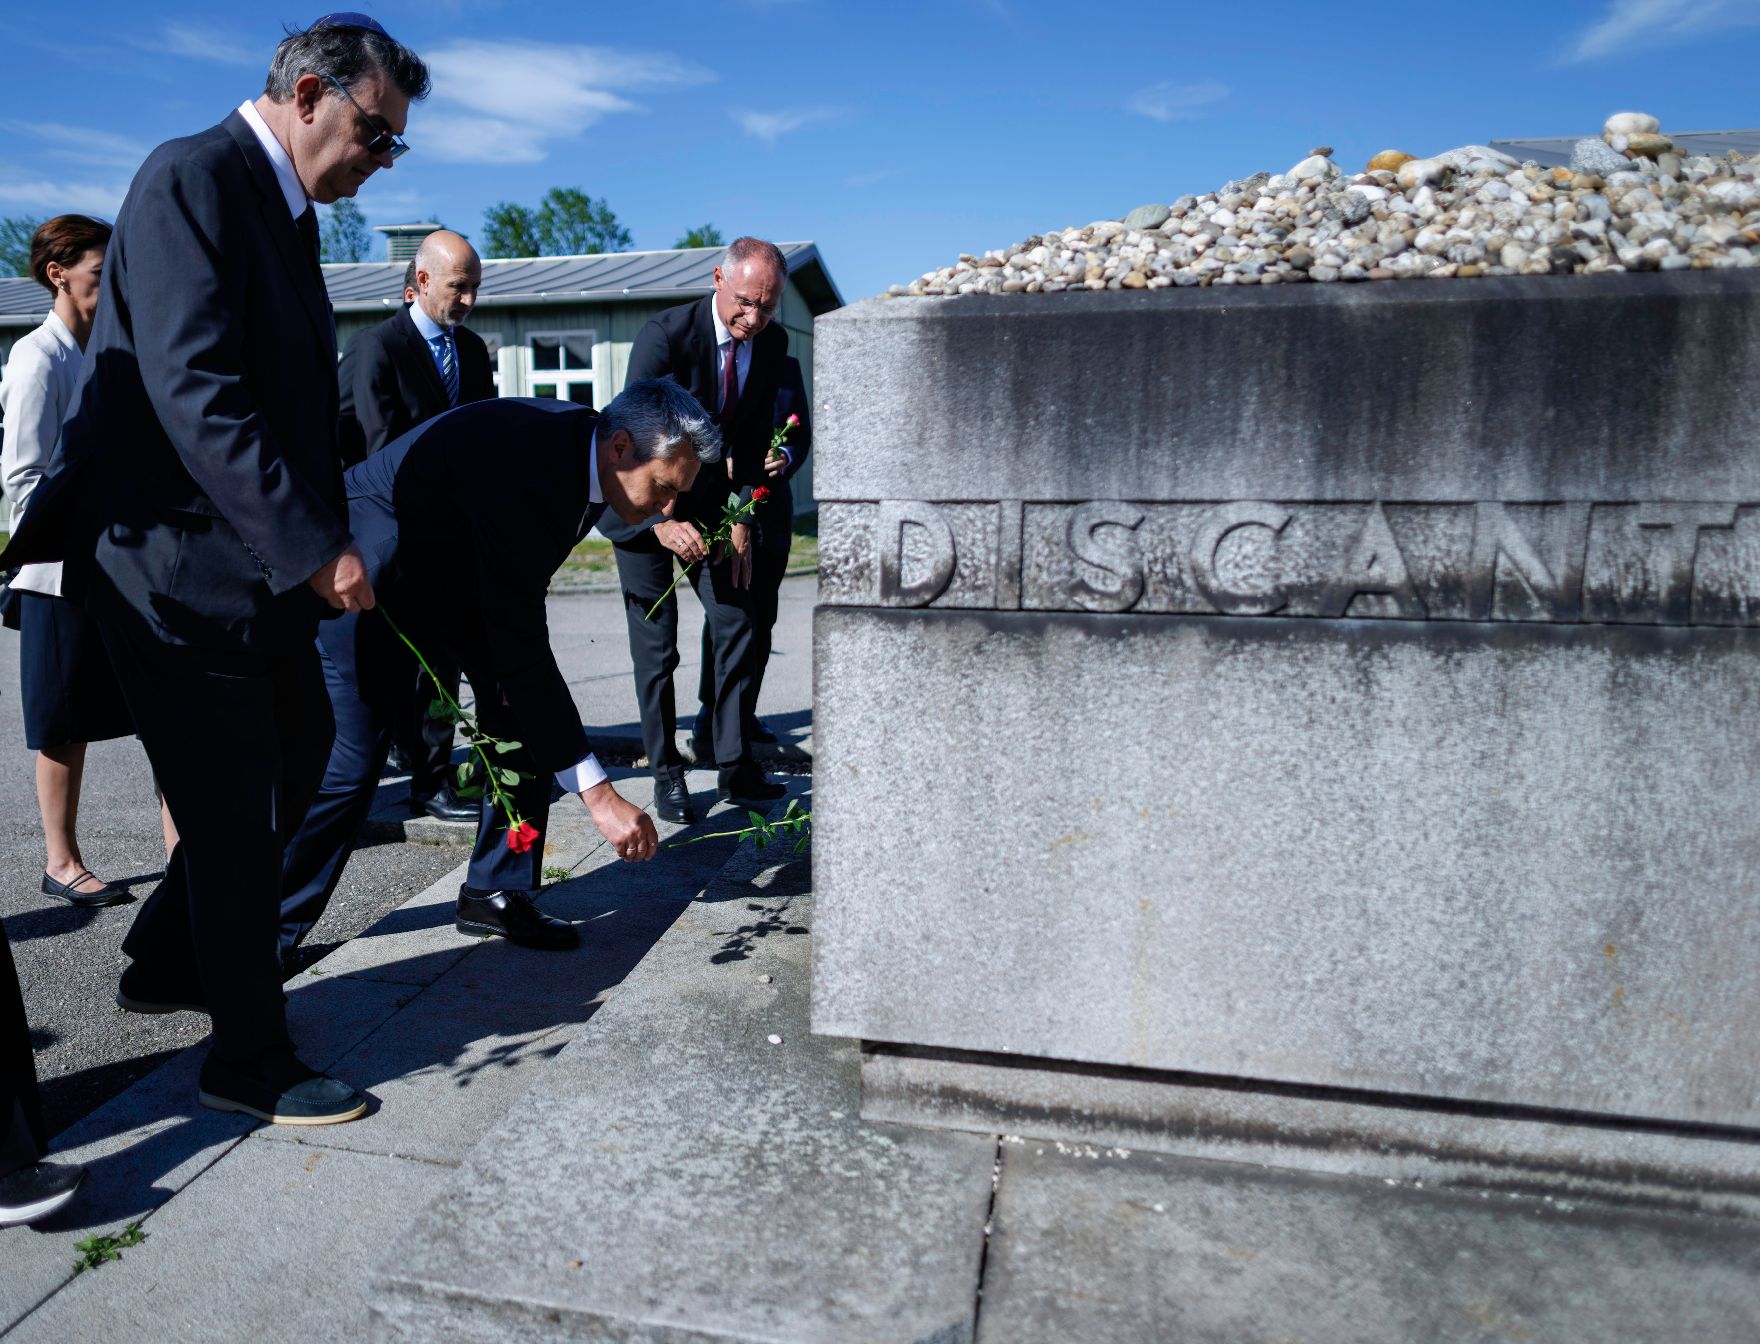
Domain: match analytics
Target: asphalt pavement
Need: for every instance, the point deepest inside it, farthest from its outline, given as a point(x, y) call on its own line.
point(69, 959)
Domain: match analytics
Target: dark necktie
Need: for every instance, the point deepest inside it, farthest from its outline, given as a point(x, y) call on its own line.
point(448, 368)
point(729, 384)
point(307, 224)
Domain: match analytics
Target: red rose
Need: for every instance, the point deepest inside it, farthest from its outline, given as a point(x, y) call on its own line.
point(793, 420)
point(522, 837)
point(761, 494)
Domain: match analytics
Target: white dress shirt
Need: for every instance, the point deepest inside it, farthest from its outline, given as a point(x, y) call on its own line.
point(431, 331)
point(742, 360)
point(283, 166)
point(36, 392)
point(587, 772)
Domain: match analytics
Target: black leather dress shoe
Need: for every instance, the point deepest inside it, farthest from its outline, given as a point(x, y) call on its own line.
point(448, 806)
point(105, 893)
point(672, 801)
point(757, 732)
point(283, 1092)
point(746, 786)
point(137, 992)
point(511, 915)
point(37, 1191)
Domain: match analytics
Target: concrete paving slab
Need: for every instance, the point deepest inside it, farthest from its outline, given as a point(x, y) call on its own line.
point(148, 1144)
point(692, 1167)
point(267, 1246)
point(446, 1069)
point(1101, 1246)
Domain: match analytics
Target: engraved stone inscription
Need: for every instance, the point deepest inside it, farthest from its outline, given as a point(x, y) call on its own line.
point(1620, 563)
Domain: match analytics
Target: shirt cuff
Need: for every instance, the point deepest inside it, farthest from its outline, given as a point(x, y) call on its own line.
point(580, 777)
point(788, 453)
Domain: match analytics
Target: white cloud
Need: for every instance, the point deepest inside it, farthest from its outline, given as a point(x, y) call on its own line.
point(501, 102)
point(54, 197)
point(79, 144)
point(204, 44)
point(1171, 101)
point(1639, 24)
point(772, 126)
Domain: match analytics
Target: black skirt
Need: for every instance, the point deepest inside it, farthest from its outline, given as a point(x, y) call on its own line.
point(65, 679)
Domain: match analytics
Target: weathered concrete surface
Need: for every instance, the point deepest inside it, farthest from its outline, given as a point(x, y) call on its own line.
point(1314, 1129)
point(1519, 388)
point(677, 1176)
point(1409, 858)
point(1106, 1248)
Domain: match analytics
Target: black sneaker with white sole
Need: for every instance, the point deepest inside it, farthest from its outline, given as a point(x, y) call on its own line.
point(37, 1191)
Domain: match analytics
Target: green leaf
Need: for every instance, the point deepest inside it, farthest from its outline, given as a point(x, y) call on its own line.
point(801, 844)
point(757, 820)
point(467, 771)
point(470, 791)
point(760, 840)
point(507, 777)
point(505, 747)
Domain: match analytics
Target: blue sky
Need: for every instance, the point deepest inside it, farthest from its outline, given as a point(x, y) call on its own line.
point(895, 135)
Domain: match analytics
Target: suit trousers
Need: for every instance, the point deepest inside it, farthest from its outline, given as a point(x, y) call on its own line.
point(644, 569)
point(237, 740)
point(426, 739)
point(775, 534)
point(23, 1139)
point(367, 671)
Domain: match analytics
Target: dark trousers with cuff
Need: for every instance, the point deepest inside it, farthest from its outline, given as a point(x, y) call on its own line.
point(644, 568)
point(23, 1137)
point(367, 671)
point(237, 740)
point(775, 534)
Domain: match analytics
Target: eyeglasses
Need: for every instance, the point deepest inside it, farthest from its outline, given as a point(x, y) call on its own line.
point(754, 307)
point(383, 141)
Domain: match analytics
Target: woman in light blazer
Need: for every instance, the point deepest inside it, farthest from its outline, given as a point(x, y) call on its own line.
point(69, 693)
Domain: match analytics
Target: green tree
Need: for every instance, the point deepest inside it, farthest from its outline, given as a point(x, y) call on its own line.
point(15, 244)
point(345, 235)
point(704, 235)
point(510, 230)
point(570, 223)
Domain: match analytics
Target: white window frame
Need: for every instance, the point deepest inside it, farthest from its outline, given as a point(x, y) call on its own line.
point(562, 379)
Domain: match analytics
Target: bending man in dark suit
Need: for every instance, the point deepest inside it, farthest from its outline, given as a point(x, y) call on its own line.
point(204, 447)
point(418, 362)
point(728, 354)
point(423, 511)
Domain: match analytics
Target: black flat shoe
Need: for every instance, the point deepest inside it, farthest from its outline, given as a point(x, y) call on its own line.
point(672, 801)
point(107, 894)
point(448, 806)
point(137, 993)
point(747, 786)
point(511, 915)
point(283, 1093)
point(36, 1192)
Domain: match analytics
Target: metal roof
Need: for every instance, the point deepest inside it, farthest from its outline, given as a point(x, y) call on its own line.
point(1554, 151)
point(610, 277)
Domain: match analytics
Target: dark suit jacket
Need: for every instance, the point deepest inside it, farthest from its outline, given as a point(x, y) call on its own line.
point(198, 466)
point(680, 344)
point(463, 558)
point(791, 399)
point(390, 384)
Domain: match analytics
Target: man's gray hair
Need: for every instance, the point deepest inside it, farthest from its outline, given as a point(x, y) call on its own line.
point(660, 417)
point(347, 54)
point(742, 250)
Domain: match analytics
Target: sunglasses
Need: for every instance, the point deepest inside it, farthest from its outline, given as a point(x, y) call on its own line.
point(383, 141)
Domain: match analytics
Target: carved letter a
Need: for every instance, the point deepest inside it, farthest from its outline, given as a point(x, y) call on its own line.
point(1375, 567)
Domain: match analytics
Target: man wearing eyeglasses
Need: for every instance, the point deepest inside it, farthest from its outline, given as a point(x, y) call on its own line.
point(726, 351)
point(203, 452)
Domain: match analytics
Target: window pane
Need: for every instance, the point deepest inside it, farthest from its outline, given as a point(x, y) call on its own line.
point(581, 393)
point(548, 390)
point(546, 352)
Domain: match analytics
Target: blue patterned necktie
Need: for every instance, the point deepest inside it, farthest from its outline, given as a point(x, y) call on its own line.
point(448, 368)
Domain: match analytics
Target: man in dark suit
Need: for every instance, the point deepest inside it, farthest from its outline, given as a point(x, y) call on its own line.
point(418, 507)
point(203, 451)
point(726, 352)
point(30, 1188)
point(418, 362)
point(774, 522)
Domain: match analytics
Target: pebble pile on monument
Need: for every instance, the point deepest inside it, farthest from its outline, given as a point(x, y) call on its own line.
point(1629, 202)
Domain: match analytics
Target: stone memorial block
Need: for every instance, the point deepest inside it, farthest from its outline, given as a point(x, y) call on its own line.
point(1341, 687)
